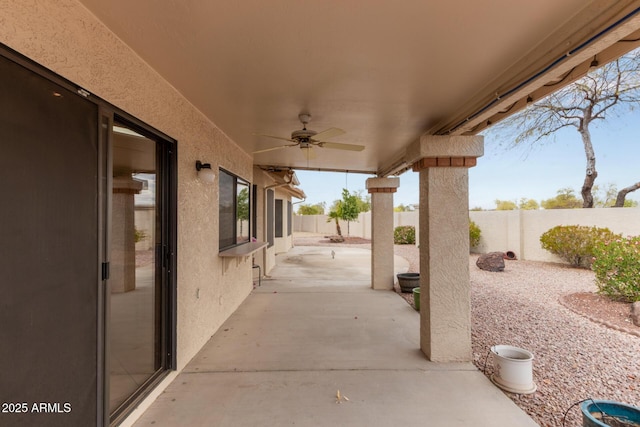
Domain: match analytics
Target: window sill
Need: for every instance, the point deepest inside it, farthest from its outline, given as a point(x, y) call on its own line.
point(242, 250)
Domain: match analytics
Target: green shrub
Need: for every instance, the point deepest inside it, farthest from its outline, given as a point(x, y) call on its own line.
point(575, 243)
point(404, 235)
point(138, 235)
point(474, 234)
point(617, 267)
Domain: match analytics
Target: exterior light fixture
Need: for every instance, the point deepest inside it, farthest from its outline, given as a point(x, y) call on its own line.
point(205, 173)
point(594, 63)
point(529, 99)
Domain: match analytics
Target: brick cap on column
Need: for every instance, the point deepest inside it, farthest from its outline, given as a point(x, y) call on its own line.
point(382, 185)
point(446, 162)
point(432, 151)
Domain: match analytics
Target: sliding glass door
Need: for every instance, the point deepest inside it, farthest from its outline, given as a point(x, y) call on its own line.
point(138, 314)
point(87, 252)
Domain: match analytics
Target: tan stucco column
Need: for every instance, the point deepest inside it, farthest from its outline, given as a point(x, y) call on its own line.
point(445, 304)
point(123, 246)
point(381, 190)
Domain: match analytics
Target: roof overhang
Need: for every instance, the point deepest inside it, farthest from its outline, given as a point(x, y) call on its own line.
point(285, 180)
point(385, 72)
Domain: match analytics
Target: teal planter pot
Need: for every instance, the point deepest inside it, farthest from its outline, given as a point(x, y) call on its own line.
point(605, 413)
point(416, 298)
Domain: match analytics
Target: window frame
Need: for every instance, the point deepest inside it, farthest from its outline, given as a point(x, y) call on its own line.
point(230, 240)
point(98, 394)
point(270, 206)
point(289, 218)
point(279, 218)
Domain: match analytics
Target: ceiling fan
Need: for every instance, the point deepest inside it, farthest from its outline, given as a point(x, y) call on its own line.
point(306, 139)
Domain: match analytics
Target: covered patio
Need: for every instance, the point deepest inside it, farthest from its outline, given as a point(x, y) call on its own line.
point(382, 89)
point(228, 100)
point(314, 328)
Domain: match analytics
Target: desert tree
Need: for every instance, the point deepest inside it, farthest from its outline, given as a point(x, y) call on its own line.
point(528, 204)
point(308, 209)
point(505, 205)
point(346, 209)
point(565, 199)
point(607, 90)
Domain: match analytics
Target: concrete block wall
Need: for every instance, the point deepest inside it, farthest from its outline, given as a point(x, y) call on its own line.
point(359, 228)
point(518, 230)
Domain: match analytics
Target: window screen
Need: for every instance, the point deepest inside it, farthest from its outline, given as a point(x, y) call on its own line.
point(289, 218)
point(234, 209)
point(270, 220)
point(279, 217)
point(227, 210)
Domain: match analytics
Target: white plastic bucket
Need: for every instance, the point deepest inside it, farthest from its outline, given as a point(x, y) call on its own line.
point(513, 369)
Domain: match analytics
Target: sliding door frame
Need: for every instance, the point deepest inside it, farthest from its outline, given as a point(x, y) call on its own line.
point(165, 256)
point(107, 115)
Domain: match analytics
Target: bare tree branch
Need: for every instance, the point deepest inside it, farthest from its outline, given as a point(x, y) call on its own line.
point(622, 194)
point(606, 90)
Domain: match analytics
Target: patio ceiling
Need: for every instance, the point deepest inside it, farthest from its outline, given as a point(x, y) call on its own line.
point(385, 72)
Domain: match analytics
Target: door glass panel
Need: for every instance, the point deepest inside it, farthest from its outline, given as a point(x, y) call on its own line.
point(134, 282)
point(242, 212)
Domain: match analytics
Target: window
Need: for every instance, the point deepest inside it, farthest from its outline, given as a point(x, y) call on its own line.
point(270, 220)
point(289, 217)
point(279, 218)
point(234, 209)
point(254, 215)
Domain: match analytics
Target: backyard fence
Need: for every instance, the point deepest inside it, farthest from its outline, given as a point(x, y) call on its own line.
point(518, 230)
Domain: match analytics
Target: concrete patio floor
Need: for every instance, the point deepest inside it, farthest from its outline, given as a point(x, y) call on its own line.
point(316, 327)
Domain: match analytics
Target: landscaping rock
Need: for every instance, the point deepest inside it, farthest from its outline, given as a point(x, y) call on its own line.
point(492, 261)
point(635, 313)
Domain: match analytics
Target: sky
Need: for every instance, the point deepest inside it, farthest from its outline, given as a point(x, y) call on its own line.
point(536, 172)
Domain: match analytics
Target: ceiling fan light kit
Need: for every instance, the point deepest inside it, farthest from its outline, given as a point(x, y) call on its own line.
point(306, 139)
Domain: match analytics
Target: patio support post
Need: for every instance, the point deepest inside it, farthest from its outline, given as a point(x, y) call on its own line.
point(381, 190)
point(123, 249)
point(445, 300)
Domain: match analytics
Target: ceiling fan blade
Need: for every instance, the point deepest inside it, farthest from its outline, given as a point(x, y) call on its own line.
point(327, 134)
point(274, 148)
point(275, 137)
point(339, 146)
point(309, 153)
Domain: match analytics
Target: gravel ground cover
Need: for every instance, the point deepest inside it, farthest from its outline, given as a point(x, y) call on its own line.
point(575, 357)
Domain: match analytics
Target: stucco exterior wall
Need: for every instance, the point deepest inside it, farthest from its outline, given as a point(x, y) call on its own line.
point(64, 37)
point(284, 243)
point(266, 257)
